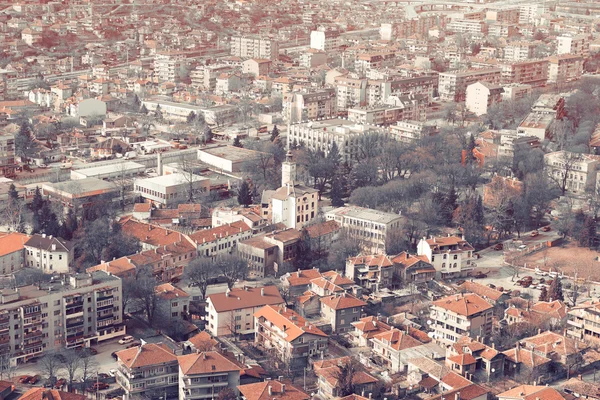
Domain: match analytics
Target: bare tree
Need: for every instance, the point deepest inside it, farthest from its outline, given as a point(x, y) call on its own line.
point(89, 367)
point(199, 272)
point(232, 268)
point(145, 295)
point(188, 170)
point(121, 181)
point(7, 370)
point(562, 169)
point(71, 365)
point(49, 366)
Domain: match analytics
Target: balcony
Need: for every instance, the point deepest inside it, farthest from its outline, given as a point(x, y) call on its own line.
point(576, 324)
point(4, 340)
point(33, 334)
point(74, 311)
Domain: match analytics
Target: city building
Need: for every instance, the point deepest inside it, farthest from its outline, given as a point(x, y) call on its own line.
point(350, 92)
point(584, 322)
point(370, 227)
point(451, 256)
point(537, 125)
point(229, 158)
point(576, 45)
point(221, 239)
point(12, 254)
point(254, 47)
point(146, 369)
point(480, 96)
point(310, 105)
point(328, 374)
point(389, 348)
point(564, 68)
point(577, 172)
point(532, 72)
point(453, 85)
point(290, 337)
point(381, 115)
point(75, 311)
point(340, 310)
point(527, 392)
point(518, 51)
point(273, 390)
point(50, 254)
point(232, 312)
point(327, 41)
point(256, 67)
point(410, 131)
point(7, 153)
point(166, 190)
point(371, 272)
point(467, 26)
point(411, 268)
point(168, 66)
point(460, 315)
point(175, 303)
point(203, 375)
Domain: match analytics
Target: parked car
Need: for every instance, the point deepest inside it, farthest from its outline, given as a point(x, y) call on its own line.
point(133, 344)
point(114, 355)
point(479, 275)
point(525, 284)
point(499, 246)
point(491, 286)
point(102, 376)
point(460, 282)
point(112, 372)
point(126, 339)
point(34, 379)
point(534, 234)
point(546, 228)
point(25, 379)
point(60, 383)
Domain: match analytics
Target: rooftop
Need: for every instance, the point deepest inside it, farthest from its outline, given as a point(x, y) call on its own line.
point(363, 213)
point(248, 297)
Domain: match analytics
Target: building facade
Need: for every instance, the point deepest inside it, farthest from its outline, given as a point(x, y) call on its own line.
point(50, 254)
point(254, 47)
point(451, 256)
point(460, 315)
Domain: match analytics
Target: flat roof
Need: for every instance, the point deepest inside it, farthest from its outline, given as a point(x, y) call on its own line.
point(80, 187)
point(170, 180)
point(231, 153)
point(365, 214)
point(111, 168)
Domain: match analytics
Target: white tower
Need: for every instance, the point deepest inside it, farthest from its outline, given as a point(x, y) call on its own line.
point(288, 170)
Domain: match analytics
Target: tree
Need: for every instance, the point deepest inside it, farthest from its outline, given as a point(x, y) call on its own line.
point(232, 268)
point(145, 295)
point(89, 366)
point(25, 144)
point(227, 394)
point(244, 196)
point(274, 133)
point(560, 176)
point(237, 142)
point(71, 365)
point(345, 378)
point(199, 272)
point(143, 109)
point(339, 252)
point(555, 291)
point(7, 370)
point(158, 113)
point(49, 365)
point(207, 134)
point(544, 294)
point(337, 193)
point(587, 235)
point(13, 211)
point(538, 195)
point(450, 112)
point(191, 117)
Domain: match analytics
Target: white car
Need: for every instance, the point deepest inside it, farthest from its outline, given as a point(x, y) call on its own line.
point(126, 339)
point(112, 372)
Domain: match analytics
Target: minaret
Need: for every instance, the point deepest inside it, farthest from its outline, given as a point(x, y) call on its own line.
point(288, 170)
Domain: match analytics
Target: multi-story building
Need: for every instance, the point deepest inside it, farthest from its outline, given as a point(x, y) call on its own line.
point(340, 310)
point(467, 26)
point(564, 68)
point(74, 312)
point(221, 239)
point(328, 373)
point(50, 254)
point(577, 172)
point(577, 45)
point(451, 256)
point(584, 322)
point(168, 66)
point(551, 104)
point(411, 131)
point(529, 13)
point(453, 85)
point(367, 61)
point(377, 91)
point(166, 190)
point(506, 30)
point(518, 51)
point(12, 255)
point(175, 303)
point(536, 124)
point(370, 227)
point(292, 338)
point(146, 369)
point(387, 115)
point(327, 41)
point(482, 95)
point(528, 72)
point(503, 15)
point(257, 66)
point(7, 153)
point(350, 92)
point(232, 312)
point(461, 315)
point(309, 106)
point(272, 389)
point(516, 91)
point(203, 375)
point(205, 76)
point(254, 47)
point(389, 346)
point(320, 135)
point(371, 272)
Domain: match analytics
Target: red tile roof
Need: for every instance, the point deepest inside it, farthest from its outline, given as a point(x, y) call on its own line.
point(466, 304)
point(208, 362)
point(216, 233)
point(147, 354)
point(342, 301)
point(397, 339)
point(12, 242)
point(245, 298)
point(272, 390)
point(288, 321)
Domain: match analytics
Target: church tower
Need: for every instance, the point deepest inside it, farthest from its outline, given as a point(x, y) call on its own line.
point(288, 170)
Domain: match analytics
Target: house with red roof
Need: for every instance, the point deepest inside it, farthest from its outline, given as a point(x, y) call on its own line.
point(469, 356)
point(175, 302)
point(204, 375)
point(12, 255)
point(373, 272)
point(413, 268)
point(392, 347)
point(340, 310)
point(451, 256)
point(272, 390)
point(283, 331)
point(328, 374)
point(531, 392)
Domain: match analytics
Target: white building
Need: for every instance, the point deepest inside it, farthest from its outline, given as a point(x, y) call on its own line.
point(203, 375)
point(450, 256)
point(370, 227)
point(50, 254)
point(481, 95)
point(254, 47)
point(232, 312)
point(12, 255)
point(325, 41)
point(577, 45)
point(119, 169)
point(461, 315)
point(577, 171)
point(169, 189)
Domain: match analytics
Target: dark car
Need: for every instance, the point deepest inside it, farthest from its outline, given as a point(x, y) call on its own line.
point(60, 383)
point(134, 344)
point(114, 355)
point(499, 246)
point(25, 379)
point(34, 379)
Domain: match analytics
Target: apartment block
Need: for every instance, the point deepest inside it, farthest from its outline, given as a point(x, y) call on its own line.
point(451, 256)
point(576, 45)
point(350, 92)
point(467, 26)
point(340, 310)
point(564, 68)
point(518, 51)
point(289, 336)
point(578, 171)
point(367, 61)
point(232, 312)
point(529, 13)
point(460, 315)
point(327, 41)
point(310, 105)
point(453, 85)
point(584, 322)
point(411, 131)
point(372, 272)
point(203, 375)
point(205, 76)
point(382, 115)
point(167, 66)
point(370, 227)
point(481, 96)
point(254, 47)
point(78, 311)
point(7, 154)
point(12, 254)
point(529, 72)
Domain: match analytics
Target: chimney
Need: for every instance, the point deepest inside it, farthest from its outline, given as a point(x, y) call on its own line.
point(43, 235)
point(227, 293)
point(270, 391)
point(262, 291)
point(283, 388)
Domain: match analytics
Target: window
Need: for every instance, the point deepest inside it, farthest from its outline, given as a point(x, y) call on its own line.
point(456, 256)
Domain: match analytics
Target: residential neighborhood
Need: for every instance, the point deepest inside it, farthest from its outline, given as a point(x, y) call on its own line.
point(299, 200)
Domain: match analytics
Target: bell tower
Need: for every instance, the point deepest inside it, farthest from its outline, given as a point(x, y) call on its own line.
point(288, 170)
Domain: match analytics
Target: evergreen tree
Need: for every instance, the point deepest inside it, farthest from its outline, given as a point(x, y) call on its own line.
point(469, 156)
point(25, 144)
point(237, 142)
point(556, 292)
point(244, 196)
point(13, 195)
point(544, 294)
point(304, 256)
point(158, 113)
point(479, 212)
point(38, 201)
point(448, 203)
point(48, 220)
point(136, 101)
point(208, 134)
point(587, 234)
point(337, 193)
point(294, 144)
point(191, 117)
point(144, 110)
point(274, 133)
